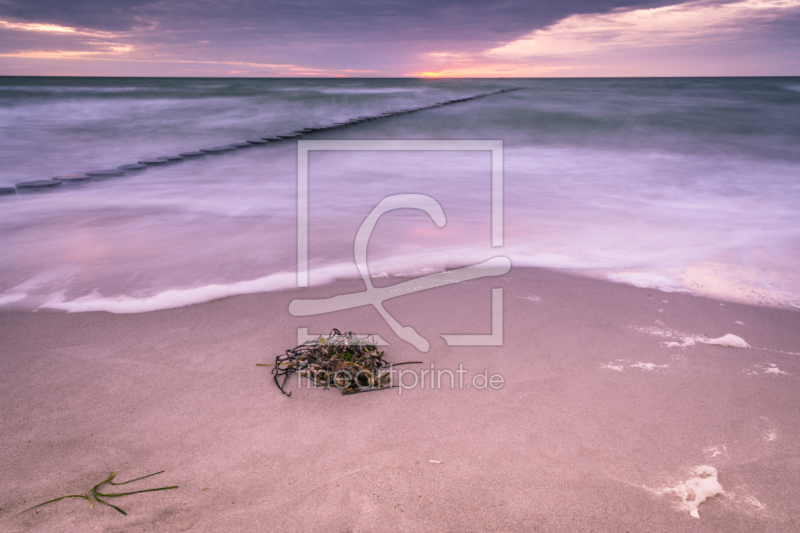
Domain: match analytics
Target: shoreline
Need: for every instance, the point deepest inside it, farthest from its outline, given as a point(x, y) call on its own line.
point(597, 414)
point(281, 282)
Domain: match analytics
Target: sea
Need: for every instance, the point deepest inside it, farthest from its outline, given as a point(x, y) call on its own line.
point(677, 184)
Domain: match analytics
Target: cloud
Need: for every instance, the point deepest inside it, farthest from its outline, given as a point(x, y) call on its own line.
point(340, 21)
point(386, 37)
point(361, 37)
point(47, 28)
point(698, 22)
point(98, 15)
point(701, 37)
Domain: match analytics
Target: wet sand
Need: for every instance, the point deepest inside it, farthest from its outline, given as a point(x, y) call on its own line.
point(597, 415)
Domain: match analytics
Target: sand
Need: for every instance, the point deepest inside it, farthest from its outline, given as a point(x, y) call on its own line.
point(611, 405)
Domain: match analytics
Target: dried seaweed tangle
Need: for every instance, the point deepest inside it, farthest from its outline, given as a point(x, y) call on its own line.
point(350, 363)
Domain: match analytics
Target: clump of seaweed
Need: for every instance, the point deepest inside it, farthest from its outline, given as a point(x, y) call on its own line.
point(95, 495)
point(343, 360)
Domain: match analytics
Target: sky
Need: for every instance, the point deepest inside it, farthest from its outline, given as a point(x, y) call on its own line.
point(387, 38)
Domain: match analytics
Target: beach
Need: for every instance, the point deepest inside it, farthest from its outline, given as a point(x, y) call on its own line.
point(545, 254)
point(641, 351)
point(612, 397)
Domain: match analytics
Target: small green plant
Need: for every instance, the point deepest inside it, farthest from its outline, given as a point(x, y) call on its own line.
point(95, 495)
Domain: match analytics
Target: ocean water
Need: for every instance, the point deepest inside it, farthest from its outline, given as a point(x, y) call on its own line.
point(680, 184)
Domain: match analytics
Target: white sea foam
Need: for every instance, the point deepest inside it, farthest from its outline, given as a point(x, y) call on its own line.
point(168, 299)
point(611, 366)
point(181, 297)
point(683, 343)
point(729, 341)
point(646, 280)
point(715, 451)
point(774, 370)
point(755, 503)
point(654, 330)
point(686, 339)
point(701, 485)
point(765, 369)
point(662, 331)
point(648, 366)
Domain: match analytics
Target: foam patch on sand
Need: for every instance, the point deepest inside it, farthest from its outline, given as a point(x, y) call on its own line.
point(741, 496)
point(701, 485)
point(768, 369)
point(649, 367)
point(773, 369)
point(684, 340)
point(656, 331)
point(729, 341)
point(715, 451)
point(532, 298)
point(620, 365)
point(755, 503)
point(683, 343)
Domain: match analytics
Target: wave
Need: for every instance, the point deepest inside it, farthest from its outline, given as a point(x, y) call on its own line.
point(643, 182)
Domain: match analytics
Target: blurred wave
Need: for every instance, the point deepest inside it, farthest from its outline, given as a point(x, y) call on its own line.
point(681, 184)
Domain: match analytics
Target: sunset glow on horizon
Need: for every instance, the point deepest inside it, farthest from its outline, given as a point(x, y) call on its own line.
point(700, 37)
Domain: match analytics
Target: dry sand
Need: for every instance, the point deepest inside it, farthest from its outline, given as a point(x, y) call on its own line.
point(596, 416)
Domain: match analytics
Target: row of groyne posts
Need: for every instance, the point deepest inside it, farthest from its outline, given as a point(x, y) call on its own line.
point(85, 177)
